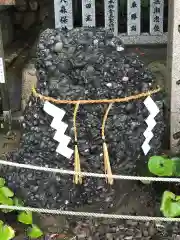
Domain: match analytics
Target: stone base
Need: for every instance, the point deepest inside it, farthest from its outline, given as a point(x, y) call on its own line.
point(29, 80)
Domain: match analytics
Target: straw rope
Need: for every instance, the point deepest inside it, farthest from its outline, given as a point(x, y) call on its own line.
point(104, 121)
point(115, 100)
point(107, 165)
point(77, 165)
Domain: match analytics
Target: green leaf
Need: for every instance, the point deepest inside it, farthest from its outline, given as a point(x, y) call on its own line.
point(2, 182)
point(170, 205)
point(25, 217)
point(9, 202)
point(6, 232)
point(5, 200)
point(34, 232)
point(18, 202)
point(161, 166)
point(6, 192)
point(177, 198)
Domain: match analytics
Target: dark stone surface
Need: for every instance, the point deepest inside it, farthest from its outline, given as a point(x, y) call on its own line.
point(84, 64)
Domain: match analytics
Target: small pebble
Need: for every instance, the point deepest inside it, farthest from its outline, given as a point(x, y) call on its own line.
point(125, 79)
point(58, 47)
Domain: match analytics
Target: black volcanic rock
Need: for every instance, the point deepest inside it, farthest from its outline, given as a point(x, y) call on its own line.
point(84, 64)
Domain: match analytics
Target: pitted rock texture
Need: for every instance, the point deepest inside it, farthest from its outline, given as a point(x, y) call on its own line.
point(84, 64)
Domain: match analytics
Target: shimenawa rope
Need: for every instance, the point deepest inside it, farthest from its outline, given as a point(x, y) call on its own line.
point(107, 165)
point(114, 100)
point(78, 174)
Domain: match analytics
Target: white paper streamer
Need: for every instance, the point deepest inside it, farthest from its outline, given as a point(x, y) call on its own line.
point(61, 127)
point(148, 134)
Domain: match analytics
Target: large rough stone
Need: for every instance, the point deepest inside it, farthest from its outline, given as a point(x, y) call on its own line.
point(84, 64)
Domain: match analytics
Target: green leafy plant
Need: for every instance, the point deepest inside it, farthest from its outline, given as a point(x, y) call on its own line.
point(6, 232)
point(163, 166)
point(170, 205)
point(25, 217)
point(5, 195)
point(18, 202)
point(34, 231)
point(7, 198)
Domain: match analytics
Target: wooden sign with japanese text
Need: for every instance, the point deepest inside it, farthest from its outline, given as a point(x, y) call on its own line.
point(63, 14)
point(88, 13)
point(156, 17)
point(134, 17)
point(111, 15)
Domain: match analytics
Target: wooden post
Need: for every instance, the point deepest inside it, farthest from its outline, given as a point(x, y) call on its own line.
point(173, 70)
point(3, 85)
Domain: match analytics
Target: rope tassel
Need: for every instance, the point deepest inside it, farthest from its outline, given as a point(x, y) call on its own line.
point(107, 165)
point(77, 165)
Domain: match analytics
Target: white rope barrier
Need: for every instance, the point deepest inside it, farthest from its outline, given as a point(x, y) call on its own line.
point(88, 214)
point(92, 214)
point(88, 174)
